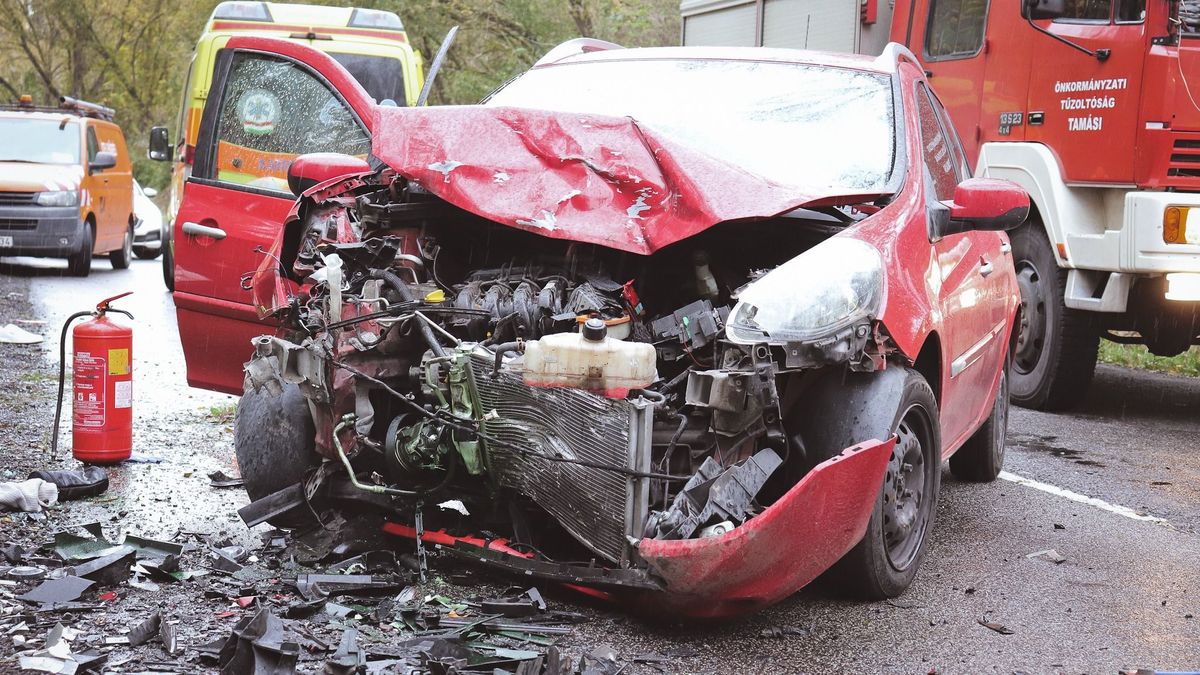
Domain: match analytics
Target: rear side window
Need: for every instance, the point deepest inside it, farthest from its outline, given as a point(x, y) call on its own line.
point(272, 111)
point(92, 146)
point(955, 28)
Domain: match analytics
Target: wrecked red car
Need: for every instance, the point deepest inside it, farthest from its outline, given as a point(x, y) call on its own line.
point(688, 327)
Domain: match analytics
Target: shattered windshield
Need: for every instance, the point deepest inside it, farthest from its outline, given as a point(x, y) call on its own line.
point(40, 141)
point(811, 126)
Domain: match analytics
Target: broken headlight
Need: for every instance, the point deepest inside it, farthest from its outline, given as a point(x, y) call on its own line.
point(812, 296)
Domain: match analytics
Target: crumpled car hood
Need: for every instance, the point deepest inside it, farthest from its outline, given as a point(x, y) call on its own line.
point(588, 178)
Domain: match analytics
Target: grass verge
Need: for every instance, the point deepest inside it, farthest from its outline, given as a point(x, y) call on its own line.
point(1137, 356)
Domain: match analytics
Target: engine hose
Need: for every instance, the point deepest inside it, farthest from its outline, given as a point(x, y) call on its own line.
point(62, 378)
point(406, 295)
point(348, 420)
point(503, 348)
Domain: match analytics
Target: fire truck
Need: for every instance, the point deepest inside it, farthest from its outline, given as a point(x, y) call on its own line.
point(1093, 106)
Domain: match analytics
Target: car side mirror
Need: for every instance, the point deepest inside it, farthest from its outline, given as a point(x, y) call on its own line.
point(150, 192)
point(980, 204)
point(160, 145)
point(318, 167)
point(103, 160)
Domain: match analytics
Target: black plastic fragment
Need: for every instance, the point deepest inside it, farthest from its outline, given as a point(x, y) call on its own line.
point(147, 630)
point(53, 591)
point(108, 570)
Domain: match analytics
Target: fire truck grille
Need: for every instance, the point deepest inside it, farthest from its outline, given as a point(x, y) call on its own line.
point(1185, 159)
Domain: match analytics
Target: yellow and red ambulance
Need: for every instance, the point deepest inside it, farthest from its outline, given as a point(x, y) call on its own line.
point(371, 44)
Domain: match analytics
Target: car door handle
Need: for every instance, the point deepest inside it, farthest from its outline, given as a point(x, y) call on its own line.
point(986, 268)
point(203, 230)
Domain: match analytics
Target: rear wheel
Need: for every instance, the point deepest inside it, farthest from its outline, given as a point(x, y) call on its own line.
point(885, 562)
point(1055, 356)
point(121, 257)
point(274, 444)
point(981, 458)
point(168, 263)
point(79, 263)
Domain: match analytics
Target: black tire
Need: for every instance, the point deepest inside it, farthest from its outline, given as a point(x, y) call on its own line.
point(274, 444)
point(884, 564)
point(168, 262)
point(79, 263)
point(121, 257)
point(1055, 356)
point(147, 253)
point(981, 458)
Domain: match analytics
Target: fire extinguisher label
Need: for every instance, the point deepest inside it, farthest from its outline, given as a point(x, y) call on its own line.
point(90, 381)
point(123, 394)
point(118, 362)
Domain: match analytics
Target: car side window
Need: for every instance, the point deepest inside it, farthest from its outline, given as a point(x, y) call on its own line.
point(274, 110)
point(955, 28)
point(92, 146)
point(937, 148)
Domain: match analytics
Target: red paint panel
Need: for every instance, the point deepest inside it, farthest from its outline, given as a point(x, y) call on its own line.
point(587, 178)
point(776, 553)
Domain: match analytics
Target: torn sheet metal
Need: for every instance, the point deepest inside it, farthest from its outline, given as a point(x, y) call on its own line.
point(778, 551)
point(587, 178)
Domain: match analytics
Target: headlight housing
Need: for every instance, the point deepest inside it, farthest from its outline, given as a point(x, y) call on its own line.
point(58, 198)
point(812, 296)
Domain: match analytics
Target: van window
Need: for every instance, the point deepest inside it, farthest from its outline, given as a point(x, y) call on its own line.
point(937, 147)
point(955, 28)
point(382, 77)
point(1073, 10)
point(272, 111)
point(92, 146)
point(1131, 11)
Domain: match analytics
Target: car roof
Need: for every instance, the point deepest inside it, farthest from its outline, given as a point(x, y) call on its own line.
point(775, 55)
point(41, 115)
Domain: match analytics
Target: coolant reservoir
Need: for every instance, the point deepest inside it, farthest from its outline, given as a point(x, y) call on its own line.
point(590, 360)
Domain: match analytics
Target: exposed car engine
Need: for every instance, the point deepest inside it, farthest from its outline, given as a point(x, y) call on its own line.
point(548, 385)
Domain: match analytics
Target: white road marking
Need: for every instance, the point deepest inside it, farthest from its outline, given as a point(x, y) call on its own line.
point(1082, 499)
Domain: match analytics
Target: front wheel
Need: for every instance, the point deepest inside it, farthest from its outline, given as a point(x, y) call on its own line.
point(79, 263)
point(1055, 355)
point(885, 562)
point(121, 257)
point(275, 446)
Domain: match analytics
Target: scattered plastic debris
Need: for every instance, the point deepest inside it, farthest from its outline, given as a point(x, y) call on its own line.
point(219, 479)
point(1048, 554)
point(998, 627)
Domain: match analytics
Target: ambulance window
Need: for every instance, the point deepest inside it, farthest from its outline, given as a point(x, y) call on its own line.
point(955, 28)
point(181, 127)
point(381, 76)
point(272, 111)
point(936, 146)
point(92, 146)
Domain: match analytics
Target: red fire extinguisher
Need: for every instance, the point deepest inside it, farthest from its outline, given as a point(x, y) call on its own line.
point(102, 386)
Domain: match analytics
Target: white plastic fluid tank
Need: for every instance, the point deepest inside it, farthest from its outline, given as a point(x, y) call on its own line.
point(590, 360)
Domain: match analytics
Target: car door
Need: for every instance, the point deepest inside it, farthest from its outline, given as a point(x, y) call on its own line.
point(100, 194)
point(972, 294)
point(270, 101)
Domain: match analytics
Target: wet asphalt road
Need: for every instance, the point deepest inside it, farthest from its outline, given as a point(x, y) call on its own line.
point(1127, 595)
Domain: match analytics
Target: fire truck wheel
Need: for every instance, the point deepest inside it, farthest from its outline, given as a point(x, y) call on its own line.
point(79, 263)
point(981, 458)
point(885, 562)
point(1055, 355)
point(273, 441)
point(120, 258)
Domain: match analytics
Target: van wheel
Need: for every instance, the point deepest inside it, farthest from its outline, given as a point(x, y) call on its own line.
point(79, 263)
point(1055, 356)
point(120, 258)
